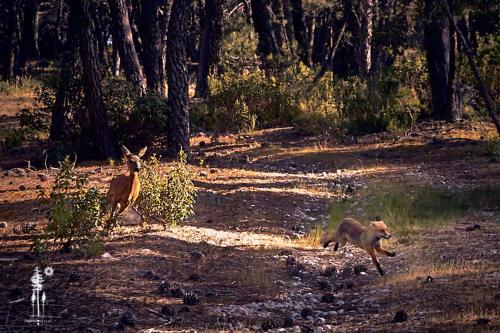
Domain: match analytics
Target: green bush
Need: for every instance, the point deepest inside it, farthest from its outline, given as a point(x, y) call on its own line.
point(168, 198)
point(11, 138)
point(77, 214)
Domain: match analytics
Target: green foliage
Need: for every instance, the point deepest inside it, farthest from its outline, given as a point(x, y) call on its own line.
point(168, 198)
point(23, 86)
point(11, 137)
point(76, 213)
point(492, 149)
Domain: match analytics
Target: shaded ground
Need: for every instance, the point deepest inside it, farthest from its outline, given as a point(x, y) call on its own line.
point(257, 196)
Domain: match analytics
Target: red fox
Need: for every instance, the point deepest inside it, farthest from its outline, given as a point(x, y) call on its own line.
point(368, 238)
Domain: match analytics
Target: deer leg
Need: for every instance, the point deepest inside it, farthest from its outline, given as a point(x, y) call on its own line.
point(375, 261)
point(123, 206)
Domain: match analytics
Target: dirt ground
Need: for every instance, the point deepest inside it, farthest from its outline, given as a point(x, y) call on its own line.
point(245, 254)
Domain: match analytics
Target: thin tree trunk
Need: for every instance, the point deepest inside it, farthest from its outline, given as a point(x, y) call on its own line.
point(366, 10)
point(29, 42)
point(165, 6)
point(209, 44)
point(151, 41)
point(177, 73)
point(262, 22)
point(11, 56)
point(277, 21)
point(300, 31)
point(287, 14)
point(125, 44)
point(58, 125)
point(92, 80)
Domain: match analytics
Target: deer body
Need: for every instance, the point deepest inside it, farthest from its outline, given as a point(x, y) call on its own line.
point(124, 189)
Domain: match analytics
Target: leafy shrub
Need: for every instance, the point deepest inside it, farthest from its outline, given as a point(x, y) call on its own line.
point(11, 138)
point(169, 198)
point(76, 213)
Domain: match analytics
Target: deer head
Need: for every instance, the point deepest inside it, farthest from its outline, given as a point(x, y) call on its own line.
point(133, 160)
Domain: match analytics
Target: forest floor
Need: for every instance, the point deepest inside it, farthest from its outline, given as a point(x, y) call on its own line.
point(247, 253)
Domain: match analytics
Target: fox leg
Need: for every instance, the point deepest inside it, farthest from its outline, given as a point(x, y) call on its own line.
point(380, 250)
point(375, 261)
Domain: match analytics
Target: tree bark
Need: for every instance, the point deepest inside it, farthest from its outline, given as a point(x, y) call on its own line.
point(151, 42)
point(300, 31)
point(13, 33)
point(277, 21)
point(29, 42)
point(177, 73)
point(125, 44)
point(92, 80)
point(287, 14)
point(209, 44)
point(438, 39)
point(364, 53)
point(262, 22)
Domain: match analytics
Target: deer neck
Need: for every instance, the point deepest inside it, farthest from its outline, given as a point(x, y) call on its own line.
point(133, 178)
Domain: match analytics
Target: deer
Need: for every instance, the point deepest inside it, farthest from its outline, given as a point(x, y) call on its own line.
point(124, 189)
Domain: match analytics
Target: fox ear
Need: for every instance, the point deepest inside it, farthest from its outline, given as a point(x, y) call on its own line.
point(125, 151)
point(142, 152)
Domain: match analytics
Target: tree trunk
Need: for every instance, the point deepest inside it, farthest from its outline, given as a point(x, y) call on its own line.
point(438, 44)
point(92, 80)
point(125, 44)
point(287, 14)
point(209, 44)
point(29, 42)
point(300, 31)
point(151, 42)
point(165, 6)
point(58, 125)
point(262, 22)
point(277, 20)
point(364, 53)
point(322, 36)
point(13, 33)
point(177, 73)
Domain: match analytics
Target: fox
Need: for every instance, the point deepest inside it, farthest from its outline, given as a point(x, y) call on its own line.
point(368, 238)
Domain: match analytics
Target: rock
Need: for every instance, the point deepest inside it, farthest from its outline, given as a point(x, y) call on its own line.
point(429, 278)
point(306, 312)
point(290, 261)
point(306, 329)
point(177, 292)
point(128, 319)
point(482, 321)
point(39, 187)
point(203, 174)
point(358, 269)
point(202, 144)
point(346, 272)
point(151, 275)
point(3, 225)
point(244, 159)
point(327, 298)
point(209, 221)
point(329, 271)
point(269, 324)
point(473, 227)
point(167, 310)
point(75, 277)
point(324, 285)
point(213, 170)
point(43, 177)
point(195, 277)
point(288, 320)
point(210, 294)
point(165, 287)
point(22, 188)
point(191, 298)
point(318, 321)
point(400, 317)
point(116, 326)
point(107, 256)
point(197, 256)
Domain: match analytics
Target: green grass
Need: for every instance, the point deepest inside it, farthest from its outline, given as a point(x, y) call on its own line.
point(23, 86)
point(408, 209)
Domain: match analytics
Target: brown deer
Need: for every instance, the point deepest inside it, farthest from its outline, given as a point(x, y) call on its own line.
point(124, 189)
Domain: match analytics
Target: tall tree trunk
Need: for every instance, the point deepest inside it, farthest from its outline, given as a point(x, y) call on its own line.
point(209, 44)
point(278, 24)
point(300, 31)
point(151, 42)
point(287, 14)
point(92, 80)
point(438, 44)
point(11, 56)
point(29, 42)
point(58, 125)
point(178, 118)
point(262, 22)
point(366, 11)
point(98, 11)
point(165, 6)
point(322, 36)
point(125, 44)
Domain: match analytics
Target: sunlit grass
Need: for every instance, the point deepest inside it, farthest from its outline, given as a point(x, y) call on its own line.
point(23, 86)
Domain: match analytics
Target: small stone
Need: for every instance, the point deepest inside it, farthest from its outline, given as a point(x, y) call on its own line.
point(306, 329)
point(327, 298)
point(269, 324)
point(3, 225)
point(210, 294)
point(177, 292)
point(167, 310)
point(203, 174)
point(483, 321)
point(400, 317)
point(107, 256)
point(429, 278)
point(202, 144)
point(43, 177)
point(195, 277)
point(151, 275)
point(197, 256)
point(213, 170)
point(116, 326)
point(165, 287)
point(360, 268)
point(329, 271)
point(191, 298)
point(288, 320)
point(290, 260)
point(306, 312)
point(209, 221)
point(39, 187)
point(128, 319)
point(244, 159)
point(318, 321)
point(473, 227)
point(324, 285)
point(22, 188)
point(75, 277)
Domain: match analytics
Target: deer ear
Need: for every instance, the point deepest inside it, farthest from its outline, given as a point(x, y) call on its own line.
point(142, 152)
point(125, 151)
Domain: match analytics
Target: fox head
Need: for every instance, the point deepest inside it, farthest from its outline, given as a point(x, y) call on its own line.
point(379, 229)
